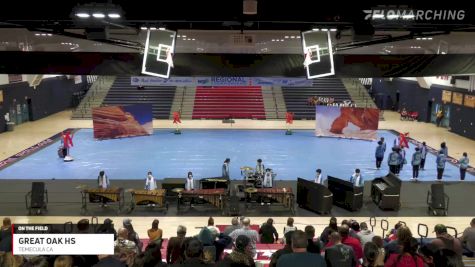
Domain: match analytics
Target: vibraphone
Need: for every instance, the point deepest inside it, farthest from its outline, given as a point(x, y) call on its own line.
point(279, 195)
point(96, 195)
point(148, 197)
point(215, 197)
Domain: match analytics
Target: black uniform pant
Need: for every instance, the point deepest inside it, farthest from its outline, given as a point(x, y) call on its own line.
point(415, 171)
point(440, 173)
point(378, 162)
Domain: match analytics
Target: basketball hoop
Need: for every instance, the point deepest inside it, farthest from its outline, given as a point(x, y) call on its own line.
point(170, 58)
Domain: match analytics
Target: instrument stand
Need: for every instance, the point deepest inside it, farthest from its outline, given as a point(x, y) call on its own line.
point(288, 132)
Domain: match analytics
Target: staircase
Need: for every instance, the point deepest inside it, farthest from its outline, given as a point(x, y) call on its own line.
point(94, 97)
point(358, 92)
point(270, 106)
point(281, 109)
point(296, 97)
point(122, 93)
point(224, 102)
point(184, 102)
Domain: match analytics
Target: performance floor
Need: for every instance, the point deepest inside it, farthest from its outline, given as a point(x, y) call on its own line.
point(203, 151)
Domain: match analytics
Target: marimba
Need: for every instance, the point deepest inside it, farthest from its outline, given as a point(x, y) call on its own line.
point(97, 195)
point(280, 195)
point(215, 197)
point(148, 197)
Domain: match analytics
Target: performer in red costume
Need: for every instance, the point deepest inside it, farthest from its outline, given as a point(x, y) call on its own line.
point(176, 120)
point(365, 119)
point(67, 139)
point(289, 119)
point(403, 141)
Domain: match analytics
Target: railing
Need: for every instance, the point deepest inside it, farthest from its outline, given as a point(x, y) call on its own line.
point(361, 91)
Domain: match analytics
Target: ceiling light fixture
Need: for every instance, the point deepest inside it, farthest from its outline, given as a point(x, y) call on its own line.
point(333, 30)
point(83, 15)
point(143, 28)
point(162, 28)
point(98, 15)
point(113, 15)
point(153, 28)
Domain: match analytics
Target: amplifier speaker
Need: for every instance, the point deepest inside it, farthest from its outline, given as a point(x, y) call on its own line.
point(37, 195)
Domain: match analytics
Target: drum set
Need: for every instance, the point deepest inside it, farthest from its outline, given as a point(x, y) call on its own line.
point(252, 178)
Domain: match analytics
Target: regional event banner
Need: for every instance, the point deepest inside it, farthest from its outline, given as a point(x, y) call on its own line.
point(122, 121)
point(347, 122)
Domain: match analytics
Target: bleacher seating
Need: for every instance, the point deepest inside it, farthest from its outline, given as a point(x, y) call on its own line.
point(237, 102)
point(296, 97)
point(123, 93)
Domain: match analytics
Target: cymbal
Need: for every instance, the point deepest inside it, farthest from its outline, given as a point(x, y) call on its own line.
point(250, 190)
point(178, 190)
point(247, 168)
point(81, 186)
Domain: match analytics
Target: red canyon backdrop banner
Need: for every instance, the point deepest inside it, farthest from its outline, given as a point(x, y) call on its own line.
point(122, 121)
point(358, 123)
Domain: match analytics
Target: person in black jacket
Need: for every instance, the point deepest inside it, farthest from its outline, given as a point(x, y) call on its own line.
point(268, 234)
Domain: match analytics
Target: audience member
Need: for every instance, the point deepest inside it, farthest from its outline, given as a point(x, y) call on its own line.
point(268, 233)
point(155, 233)
point(447, 258)
point(206, 237)
point(392, 234)
point(365, 235)
point(83, 226)
point(234, 225)
point(125, 249)
point(445, 241)
point(428, 253)
point(194, 253)
point(300, 257)
point(468, 239)
point(213, 229)
point(313, 245)
point(378, 241)
point(408, 256)
point(63, 261)
point(346, 239)
point(6, 235)
point(290, 226)
point(107, 228)
point(332, 227)
point(174, 247)
point(403, 235)
point(241, 254)
point(109, 260)
point(339, 255)
point(132, 235)
point(247, 231)
point(285, 250)
point(371, 254)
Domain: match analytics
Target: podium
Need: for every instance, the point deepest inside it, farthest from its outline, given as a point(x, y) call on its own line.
point(345, 194)
point(314, 197)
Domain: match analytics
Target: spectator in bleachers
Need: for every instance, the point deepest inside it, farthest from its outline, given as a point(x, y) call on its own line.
point(371, 253)
point(463, 165)
point(6, 235)
point(268, 234)
point(428, 253)
point(332, 227)
point(194, 253)
point(408, 256)
point(109, 260)
point(287, 249)
point(155, 233)
point(174, 247)
point(313, 245)
point(63, 261)
point(132, 234)
point(468, 239)
point(346, 239)
point(290, 226)
point(83, 226)
point(206, 237)
point(213, 229)
point(107, 228)
point(392, 234)
point(37, 261)
point(365, 235)
point(447, 258)
point(403, 235)
point(241, 254)
point(234, 225)
point(445, 241)
point(125, 249)
point(300, 257)
point(7, 260)
point(339, 255)
point(378, 241)
point(247, 231)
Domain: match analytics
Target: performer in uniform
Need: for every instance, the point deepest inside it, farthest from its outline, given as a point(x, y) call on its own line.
point(318, 177)
point(190, 184)
point(267, 183)
point(260, 169)
point(356, 178)
point(104, 183)
point(225, 169)
point(67, 140)
point(150, 183)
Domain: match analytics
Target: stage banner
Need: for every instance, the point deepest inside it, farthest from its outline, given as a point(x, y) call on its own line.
point(346, 122)
point(122, 121)
point(220, 81)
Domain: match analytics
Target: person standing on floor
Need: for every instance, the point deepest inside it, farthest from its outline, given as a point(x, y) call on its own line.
point(393, 161)
point(440, 161)
point(379, 154)
point(260, 169)
point(423, 155)
point(443, 147)
point(150, 183)
point(103, 183)
point(416, 162)
point(402, 159)
point(225, 168)
point(383, 143)
point(318, 177)
point(463, 165)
